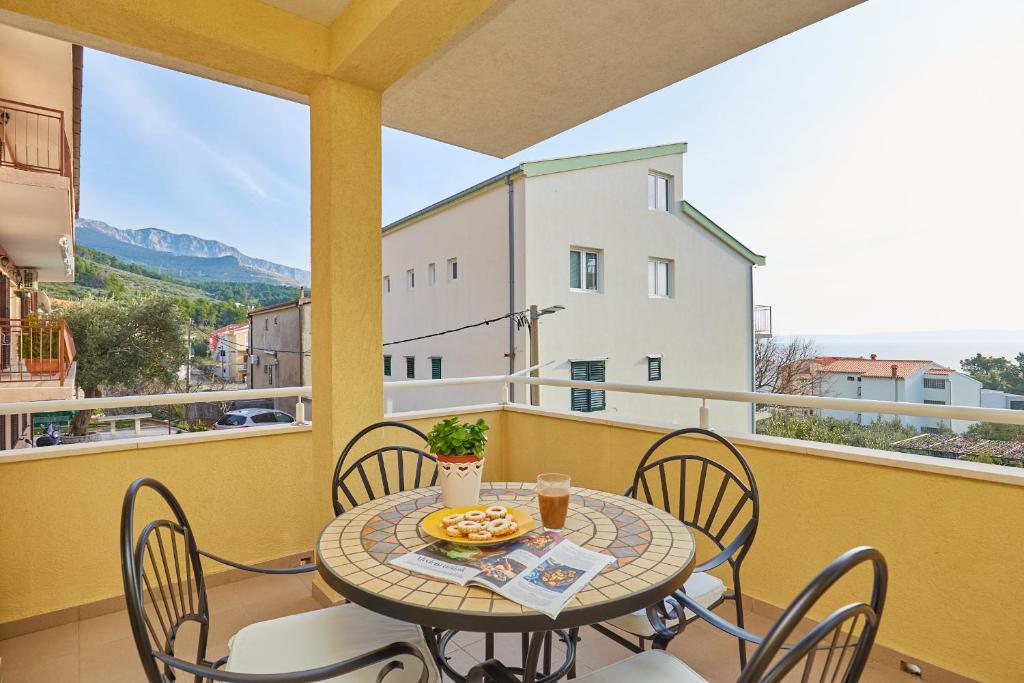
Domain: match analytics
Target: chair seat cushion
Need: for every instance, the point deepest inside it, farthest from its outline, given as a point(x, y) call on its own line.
point(704, 588)
point(652, 666)
point(325, 636)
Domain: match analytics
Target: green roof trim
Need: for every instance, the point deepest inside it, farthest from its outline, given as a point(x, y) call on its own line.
point(703, 221)
point(456, 198)
point(536, 168)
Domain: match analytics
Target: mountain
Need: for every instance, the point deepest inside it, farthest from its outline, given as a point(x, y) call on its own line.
point(186, 257)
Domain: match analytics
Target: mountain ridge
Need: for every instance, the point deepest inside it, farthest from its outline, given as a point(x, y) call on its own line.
point(184, 255)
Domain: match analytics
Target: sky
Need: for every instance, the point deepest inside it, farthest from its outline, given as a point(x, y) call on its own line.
point(874, 158)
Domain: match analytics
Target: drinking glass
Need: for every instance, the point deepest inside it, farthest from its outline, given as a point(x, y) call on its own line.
point(553, 500)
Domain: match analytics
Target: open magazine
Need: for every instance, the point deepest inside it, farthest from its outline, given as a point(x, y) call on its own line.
point(539, 570)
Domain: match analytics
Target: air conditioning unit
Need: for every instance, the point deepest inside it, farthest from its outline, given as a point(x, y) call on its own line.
point(28, 278)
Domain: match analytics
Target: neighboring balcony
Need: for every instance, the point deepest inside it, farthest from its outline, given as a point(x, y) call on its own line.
point(762, 322)
point(36, 190)
point(37, 360)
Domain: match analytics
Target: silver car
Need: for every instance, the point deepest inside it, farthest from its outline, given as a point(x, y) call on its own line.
point(252, 417)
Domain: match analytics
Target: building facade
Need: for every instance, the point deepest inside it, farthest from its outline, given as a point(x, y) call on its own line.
point(229, 346)
point(652, 290)
point(40, 123)
point(993, 398)
point(879, 379)
point(280, 349)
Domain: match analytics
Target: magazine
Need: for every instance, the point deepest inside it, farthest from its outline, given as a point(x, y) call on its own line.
point(539, 570)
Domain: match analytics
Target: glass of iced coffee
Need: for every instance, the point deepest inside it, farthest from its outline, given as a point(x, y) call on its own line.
point(553, 500)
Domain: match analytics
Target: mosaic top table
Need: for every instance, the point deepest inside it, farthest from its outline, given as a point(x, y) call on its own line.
point(654, 554)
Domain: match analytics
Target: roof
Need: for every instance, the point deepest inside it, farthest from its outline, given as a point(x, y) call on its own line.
point(874, 367)
point(531, 169)
point(227, 329)
point(955, 446)
point(302, 301)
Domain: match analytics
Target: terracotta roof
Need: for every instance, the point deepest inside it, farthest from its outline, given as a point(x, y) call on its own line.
point(873, 367)
point(955, 446)
point(217, 333)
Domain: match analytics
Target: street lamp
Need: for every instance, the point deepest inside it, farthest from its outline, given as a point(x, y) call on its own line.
point(535, 314)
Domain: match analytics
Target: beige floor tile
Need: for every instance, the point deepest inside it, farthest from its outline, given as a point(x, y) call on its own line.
point(113, 660)
point(62, 669)
point(105, 629)
point(33, 649)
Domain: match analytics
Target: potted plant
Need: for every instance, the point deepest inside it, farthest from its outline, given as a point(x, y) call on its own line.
point(459, 447)
point(39, 345)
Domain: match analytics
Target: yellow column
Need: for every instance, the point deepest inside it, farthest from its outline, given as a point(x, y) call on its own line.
point(347, 367)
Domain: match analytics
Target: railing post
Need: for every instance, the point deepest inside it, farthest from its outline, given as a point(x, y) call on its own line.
point(704, 417)
point(300, 412)
point(505, 392)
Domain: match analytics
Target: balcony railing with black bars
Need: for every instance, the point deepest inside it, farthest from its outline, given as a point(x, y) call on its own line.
point(35, 350)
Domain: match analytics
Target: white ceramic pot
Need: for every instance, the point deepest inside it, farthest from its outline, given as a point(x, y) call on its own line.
point(460, 479)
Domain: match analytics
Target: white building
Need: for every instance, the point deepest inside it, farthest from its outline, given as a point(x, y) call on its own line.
point(653, 290)
point(913, 381)
point(993, 398)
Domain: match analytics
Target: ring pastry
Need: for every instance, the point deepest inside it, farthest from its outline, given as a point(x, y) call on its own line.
point(476, 516)
point(452, 519)
point(481, 535)
point(454, 530)
point(496, 511)
point(468, 525)
point(500, 527)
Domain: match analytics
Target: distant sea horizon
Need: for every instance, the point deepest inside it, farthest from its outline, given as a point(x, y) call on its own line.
point(947, 347)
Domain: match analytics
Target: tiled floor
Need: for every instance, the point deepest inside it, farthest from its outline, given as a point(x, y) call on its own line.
point(102, 649)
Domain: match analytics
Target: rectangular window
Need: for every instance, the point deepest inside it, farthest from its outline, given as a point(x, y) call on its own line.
point(849, 378)
point(935, 403)
point(410, 278)
point(435, 367)
point(584, 270)
point(659, 191)
point(587, 400)
point(453, 269)
point(410, 367)
point(653, 368)
point(1016, 405)
point(659, 278)
point(387, 366)
point(387, 284)
point(431, 274)
point(930, 383)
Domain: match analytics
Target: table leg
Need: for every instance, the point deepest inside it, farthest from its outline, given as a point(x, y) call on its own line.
point(533, 655)
point(547, 653)
point(488, 646)
point(574, 636)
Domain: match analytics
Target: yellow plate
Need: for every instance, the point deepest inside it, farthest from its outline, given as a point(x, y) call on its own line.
point(431, 525)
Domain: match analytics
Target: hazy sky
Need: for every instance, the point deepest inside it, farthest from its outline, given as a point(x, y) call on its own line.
point(874, 158)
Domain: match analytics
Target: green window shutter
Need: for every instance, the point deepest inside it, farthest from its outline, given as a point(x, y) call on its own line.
point(410, 367)
point(653, 369)
point(387, 366)
point(596, 375)
point(435, 368)
point(579, 398)
point(575, 270)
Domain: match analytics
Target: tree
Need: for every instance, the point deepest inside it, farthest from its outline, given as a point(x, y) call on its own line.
point(784, 368)
point(996, 431)
point(996, 372)
point(124, 344)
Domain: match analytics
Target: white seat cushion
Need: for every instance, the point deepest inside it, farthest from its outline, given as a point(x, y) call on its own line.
point(652, 666)
point(325, 636)
point(704, 588)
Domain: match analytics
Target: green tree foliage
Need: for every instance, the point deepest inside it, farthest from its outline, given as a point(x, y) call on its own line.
point(997, 432)
point(124, 344)
point(996, 372)
point(879, 434)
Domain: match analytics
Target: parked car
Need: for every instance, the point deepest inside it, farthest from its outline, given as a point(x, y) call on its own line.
point(252, 417)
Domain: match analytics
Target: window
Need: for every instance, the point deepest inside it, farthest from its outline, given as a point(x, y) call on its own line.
point(283, 417)
point(587, 400)
point(584, 270)
point(410, 367)
point(410, 278)
point(659, 278)
point(387, 366)
point(435, 367)
point(659, 191)
point(264, 418)
point(1016, 405)
point(930, 383)
point(387, 284)
point(935, 403)
point(849, 378)
point(453, 269)
point(653, 368)
point(431, 274)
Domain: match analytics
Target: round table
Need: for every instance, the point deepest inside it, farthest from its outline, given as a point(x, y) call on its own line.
point(654, 555)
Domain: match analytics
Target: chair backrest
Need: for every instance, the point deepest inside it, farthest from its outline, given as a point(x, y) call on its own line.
point(720, 503)
point(837, 649)
point(163, 582)
point(387, 465)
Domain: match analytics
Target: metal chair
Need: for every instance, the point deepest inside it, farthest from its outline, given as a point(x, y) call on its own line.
point(720, 501)
point(165, 591)
point(835, 650)
point(388, 460)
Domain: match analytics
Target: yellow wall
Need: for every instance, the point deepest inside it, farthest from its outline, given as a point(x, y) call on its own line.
point(954, 554)
point(247, 498)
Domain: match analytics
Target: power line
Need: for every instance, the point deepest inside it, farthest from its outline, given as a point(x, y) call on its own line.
point(520, 317)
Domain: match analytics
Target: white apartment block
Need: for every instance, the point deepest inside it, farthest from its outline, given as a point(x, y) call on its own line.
point(913, 381)
point(653, 290)
point(993, 398)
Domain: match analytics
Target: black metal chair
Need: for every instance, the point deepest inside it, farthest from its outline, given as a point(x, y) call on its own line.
point(835, 650)
point(386, 462)
point(165, 591)
point(720, 501)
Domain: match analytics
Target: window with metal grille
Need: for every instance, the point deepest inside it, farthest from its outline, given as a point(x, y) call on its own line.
point(387, 366)
point(653, 368)
point(435, 367)
point(584, 270)
point(930, 383)
point(587, 400)
point(410, 366)
point(935, 403)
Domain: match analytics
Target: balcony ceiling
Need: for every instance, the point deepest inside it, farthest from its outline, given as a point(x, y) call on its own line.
point(36, 213)
point(320, 11)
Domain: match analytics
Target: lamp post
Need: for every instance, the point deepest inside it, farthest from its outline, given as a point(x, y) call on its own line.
point(535, 315)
